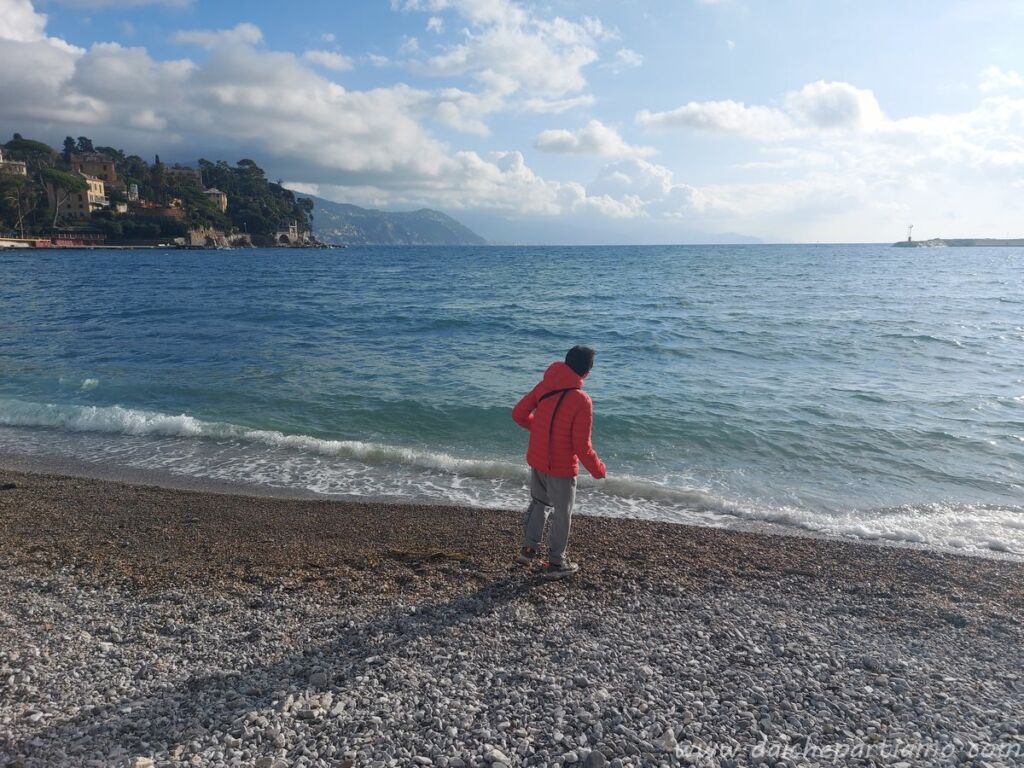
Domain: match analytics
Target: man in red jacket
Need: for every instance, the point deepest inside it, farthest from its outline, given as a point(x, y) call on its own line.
point(558, 414)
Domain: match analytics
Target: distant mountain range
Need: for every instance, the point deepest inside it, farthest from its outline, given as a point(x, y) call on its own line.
point(344, 224)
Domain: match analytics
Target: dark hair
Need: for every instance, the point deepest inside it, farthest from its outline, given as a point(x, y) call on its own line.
point(580, 359)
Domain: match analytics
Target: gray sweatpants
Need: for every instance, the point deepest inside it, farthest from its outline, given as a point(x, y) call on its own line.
point(554, 492)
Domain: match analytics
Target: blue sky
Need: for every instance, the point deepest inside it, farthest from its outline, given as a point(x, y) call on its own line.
point(627, 121)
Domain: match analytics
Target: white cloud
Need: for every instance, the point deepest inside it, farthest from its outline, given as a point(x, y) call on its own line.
point(821, 162)
point(328, 37)
point(730, 44)
point(538, 57)
point(116, 78)
point(240, 34)
point(329, 60)
point(240, 97)
point(836, 167)
point(726, 116)
point(848, 122)
point(502, 183)
point(367, 146)
point(435, 24)
point(595, 138)
point(19, 21)
point(626, 58)
point(819, 106)
point(648, 189)
point(828, 106)
point(557, 106)
point(462, 110)
point(997, 79)
point(372, 144)
point(596, 28)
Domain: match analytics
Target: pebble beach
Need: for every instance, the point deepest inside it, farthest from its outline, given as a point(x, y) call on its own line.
point(147, 626)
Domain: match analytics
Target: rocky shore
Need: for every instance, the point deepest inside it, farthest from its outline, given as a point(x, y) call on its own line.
point(146, 626)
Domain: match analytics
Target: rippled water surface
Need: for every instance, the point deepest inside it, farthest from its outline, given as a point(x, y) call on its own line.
point(857, 391)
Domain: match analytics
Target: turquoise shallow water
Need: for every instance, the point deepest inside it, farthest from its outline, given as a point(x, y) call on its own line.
point(857, 391)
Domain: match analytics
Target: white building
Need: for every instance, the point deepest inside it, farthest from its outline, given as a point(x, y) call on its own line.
point(13, 167)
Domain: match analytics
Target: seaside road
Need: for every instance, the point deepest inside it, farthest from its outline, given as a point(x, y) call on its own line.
point(201, 629)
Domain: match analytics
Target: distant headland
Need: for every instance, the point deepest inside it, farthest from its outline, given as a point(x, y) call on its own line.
point(345, 224)
point(961, 242)
point(91, 196)
point(87, 195)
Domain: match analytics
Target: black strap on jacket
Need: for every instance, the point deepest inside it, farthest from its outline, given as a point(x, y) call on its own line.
point(551, 424)
point(554, 392)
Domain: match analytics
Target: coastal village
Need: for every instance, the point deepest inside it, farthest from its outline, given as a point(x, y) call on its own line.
point(90, 196)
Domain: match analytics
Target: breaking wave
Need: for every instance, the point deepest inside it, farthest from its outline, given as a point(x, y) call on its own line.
point(359, 468)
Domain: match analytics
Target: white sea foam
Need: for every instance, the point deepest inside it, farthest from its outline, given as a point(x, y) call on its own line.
point(186, 445)
point(130, 421)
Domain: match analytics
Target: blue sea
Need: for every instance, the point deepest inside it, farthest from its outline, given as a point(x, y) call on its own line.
point(859, 392)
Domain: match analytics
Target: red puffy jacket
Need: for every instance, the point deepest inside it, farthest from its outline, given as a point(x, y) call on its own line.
point(559, 424)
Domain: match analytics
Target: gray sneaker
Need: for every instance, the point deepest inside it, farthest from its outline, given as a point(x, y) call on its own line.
point(560, 570)
point(526, 555)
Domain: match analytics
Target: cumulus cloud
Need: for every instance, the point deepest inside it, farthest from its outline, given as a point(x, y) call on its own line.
point(847, 121)
point(649, 189)
point(997, 79)
point(557, 106)
point(726, 116)
point(502, 182)
point(371, 146)
point(627, 57)
point(461, 110)
point(241, 34)
point(19, 21)
point(827, 162)
point(819, 106)
point(507, 46)
point(835, 165)
point(828, 106)
point(595, 138)
point(241, 96)
point(329, 60)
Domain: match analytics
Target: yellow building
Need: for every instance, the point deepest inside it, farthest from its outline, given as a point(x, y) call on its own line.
point(218, 198)
point(79, 205)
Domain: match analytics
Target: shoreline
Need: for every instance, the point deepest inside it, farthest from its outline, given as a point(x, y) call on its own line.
point(63, 465)
point(141, 623)
point(133, 503)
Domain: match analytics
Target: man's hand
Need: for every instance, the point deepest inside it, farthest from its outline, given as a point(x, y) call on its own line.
point(602, 472)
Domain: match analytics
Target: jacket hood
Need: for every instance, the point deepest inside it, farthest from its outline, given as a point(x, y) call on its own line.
point(561, 376)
